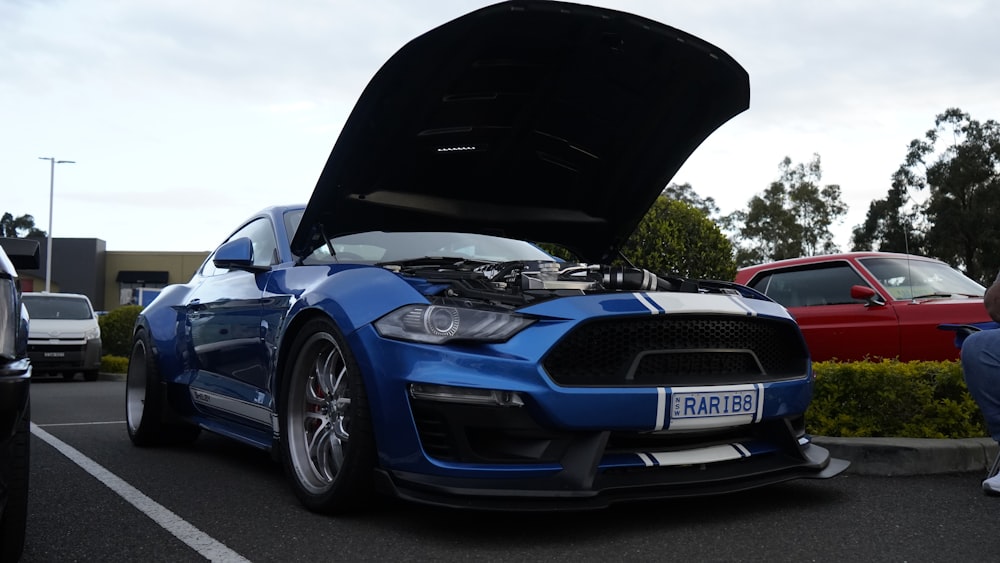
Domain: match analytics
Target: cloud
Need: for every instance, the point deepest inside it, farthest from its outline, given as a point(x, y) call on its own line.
point(223, 107)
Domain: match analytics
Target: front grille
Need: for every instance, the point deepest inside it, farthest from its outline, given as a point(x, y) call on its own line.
point(55, 354)
point(40, 348)
point(436, 436)
point(677, 350)
point(485, 434)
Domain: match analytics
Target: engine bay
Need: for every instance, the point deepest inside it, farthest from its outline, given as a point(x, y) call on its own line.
point(518, 283)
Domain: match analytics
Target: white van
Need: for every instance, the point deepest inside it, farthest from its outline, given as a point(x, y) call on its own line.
point(63, 335)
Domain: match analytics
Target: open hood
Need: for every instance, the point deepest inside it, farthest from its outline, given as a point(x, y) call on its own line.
point(536, 120)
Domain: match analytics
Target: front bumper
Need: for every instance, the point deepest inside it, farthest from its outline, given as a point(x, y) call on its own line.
point(65, 356)
point(587, 448)
point(15, 381)
point(589, 487)
point(601, 412)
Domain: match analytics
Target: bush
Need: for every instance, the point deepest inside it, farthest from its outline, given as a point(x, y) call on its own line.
point(114, 364)
point(116, 329)
point(892, 398)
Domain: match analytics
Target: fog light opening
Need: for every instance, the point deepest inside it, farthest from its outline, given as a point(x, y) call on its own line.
point(466, 395)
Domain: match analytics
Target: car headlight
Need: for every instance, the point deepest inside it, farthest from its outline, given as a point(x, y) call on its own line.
point(92, 334)
point(9, 318)
point(437, 324)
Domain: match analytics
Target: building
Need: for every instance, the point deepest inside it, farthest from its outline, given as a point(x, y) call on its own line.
point(84, 265)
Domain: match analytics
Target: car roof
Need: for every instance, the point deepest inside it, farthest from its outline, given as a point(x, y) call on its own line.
point(40, 294)
point(849, 256)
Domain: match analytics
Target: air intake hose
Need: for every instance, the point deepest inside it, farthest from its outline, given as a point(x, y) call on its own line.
point(621, 277)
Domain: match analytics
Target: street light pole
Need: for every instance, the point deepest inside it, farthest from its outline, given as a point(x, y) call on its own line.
point(52, 189)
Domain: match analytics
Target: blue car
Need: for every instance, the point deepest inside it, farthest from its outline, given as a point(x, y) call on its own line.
point(405, 333)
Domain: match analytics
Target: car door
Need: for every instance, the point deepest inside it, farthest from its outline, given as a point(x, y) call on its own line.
point(224, 318)
point(835, 325)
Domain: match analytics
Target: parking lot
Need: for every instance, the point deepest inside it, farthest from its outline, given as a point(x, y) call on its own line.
point(222, 501)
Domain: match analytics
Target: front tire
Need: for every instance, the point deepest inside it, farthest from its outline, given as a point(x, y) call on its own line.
point(144, 400)
point(327, 444)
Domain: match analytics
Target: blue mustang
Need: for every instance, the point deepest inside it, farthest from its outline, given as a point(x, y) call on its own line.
point(398, 335)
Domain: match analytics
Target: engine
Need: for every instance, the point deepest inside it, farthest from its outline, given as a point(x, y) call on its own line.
point(538, 275)
point(518, 283)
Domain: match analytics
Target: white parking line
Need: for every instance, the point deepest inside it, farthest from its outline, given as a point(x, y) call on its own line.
point(205, 545)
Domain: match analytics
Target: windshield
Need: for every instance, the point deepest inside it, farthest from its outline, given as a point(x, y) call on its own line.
point(51, 307)
point(377, 246)
point(909, 279)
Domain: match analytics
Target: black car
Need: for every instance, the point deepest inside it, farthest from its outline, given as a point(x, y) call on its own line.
point(15, 378)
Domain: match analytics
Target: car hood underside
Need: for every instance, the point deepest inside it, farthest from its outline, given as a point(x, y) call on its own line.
point(536, 120)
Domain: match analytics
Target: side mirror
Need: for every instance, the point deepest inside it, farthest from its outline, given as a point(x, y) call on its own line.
point(867, 294)
point(22, 252)
point(236, 254)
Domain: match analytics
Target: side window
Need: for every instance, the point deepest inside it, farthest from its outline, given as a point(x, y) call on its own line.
point(828, 284)
point(265, 247)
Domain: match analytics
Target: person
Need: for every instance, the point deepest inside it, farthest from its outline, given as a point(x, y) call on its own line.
point(981, 368)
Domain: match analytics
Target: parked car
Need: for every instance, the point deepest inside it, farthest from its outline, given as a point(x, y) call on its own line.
point(872, 304)
point(15, 406)
point(65, 337)
point(398, 334)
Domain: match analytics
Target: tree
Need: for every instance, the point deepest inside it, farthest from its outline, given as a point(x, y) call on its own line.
point(958, 164)
point(791, 218)
point(14, 227)
point(685, 193)
point(889, 227)
point(675, 237)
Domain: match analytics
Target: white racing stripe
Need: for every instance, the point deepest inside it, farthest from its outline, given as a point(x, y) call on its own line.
point(642, 298)
point(205, 545)
point(710, 303)
point(711, 454)
point(661, 408)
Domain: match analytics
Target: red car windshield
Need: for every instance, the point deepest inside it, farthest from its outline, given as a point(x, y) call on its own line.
point(914, 279)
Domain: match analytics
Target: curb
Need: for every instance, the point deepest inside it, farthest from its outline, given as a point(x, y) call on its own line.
point(911, 456)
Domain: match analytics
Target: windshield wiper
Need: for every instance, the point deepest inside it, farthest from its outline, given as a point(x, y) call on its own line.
point(433, 262)
point(939, 294)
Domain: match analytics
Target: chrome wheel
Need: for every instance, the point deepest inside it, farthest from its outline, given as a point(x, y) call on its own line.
point(319, 413)
point(145, 401)
point(325, 426)
point(135, 386)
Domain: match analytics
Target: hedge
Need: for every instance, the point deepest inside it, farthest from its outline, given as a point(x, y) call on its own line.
point(114, 364)
point(892, 398)
point(116, 329)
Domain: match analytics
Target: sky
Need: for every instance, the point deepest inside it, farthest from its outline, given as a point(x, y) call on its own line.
point(185, 117)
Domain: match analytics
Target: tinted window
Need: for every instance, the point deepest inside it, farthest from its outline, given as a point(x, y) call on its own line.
point(51, 307)
point(827, 284)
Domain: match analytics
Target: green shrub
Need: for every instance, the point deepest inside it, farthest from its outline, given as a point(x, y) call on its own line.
point(116, 329)
point(892, 398)
point(114, 364)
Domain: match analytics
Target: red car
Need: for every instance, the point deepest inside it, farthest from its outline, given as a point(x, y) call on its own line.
point(872, 304)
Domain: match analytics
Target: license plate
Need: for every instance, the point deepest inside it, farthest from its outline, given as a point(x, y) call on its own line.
point(55, 354)
point(715, 408)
